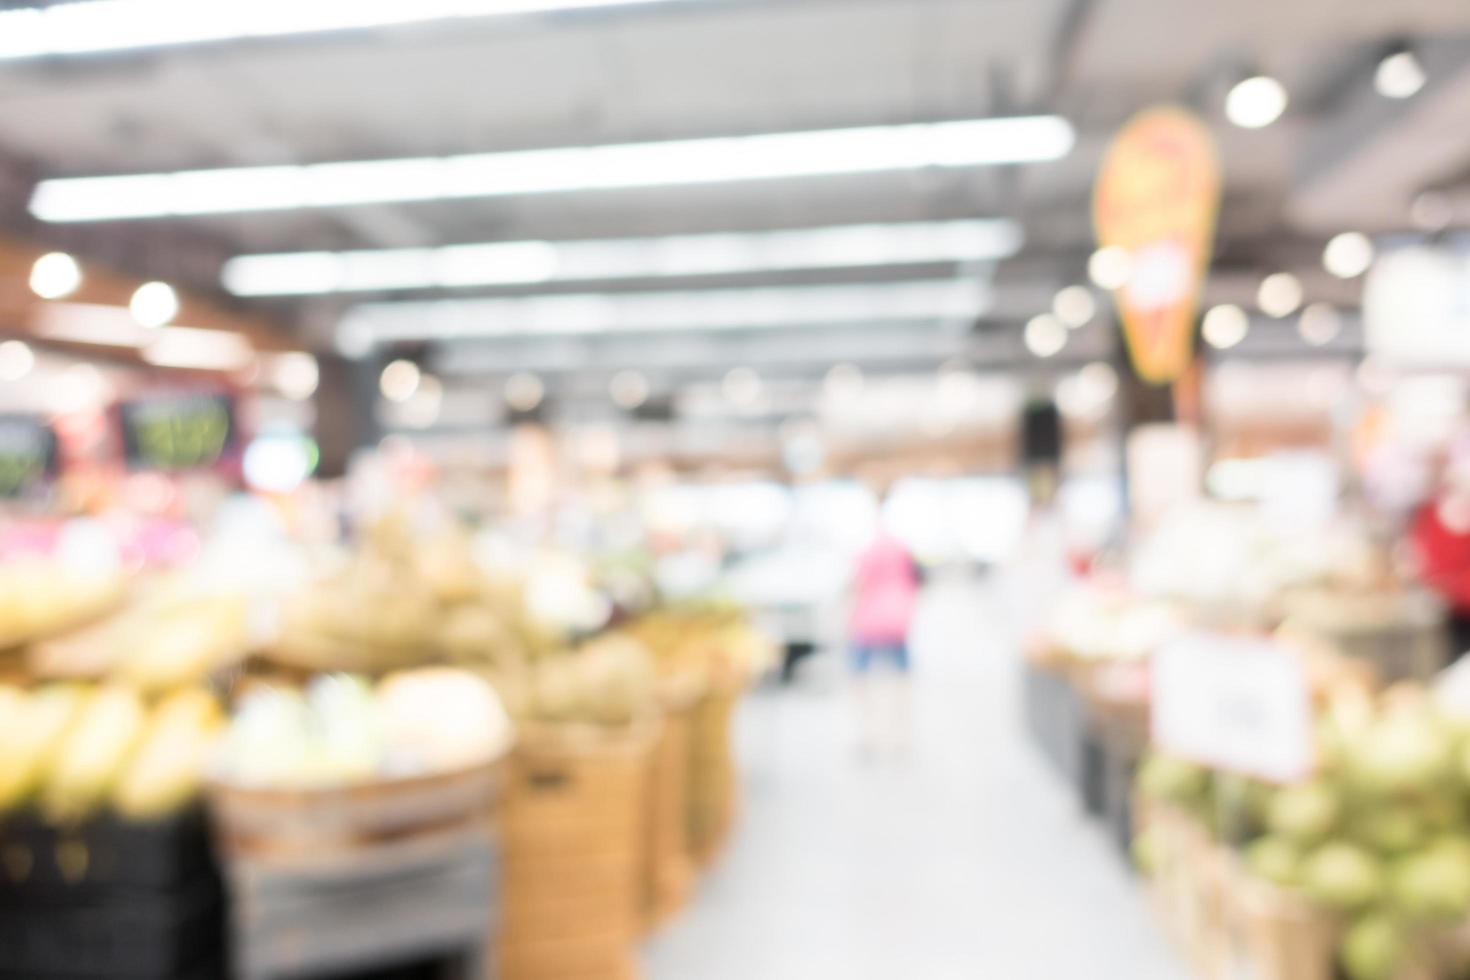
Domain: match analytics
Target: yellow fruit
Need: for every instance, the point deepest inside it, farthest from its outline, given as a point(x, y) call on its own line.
point(168, 768)
point(30, 733)
point(186, 645)
point(93, 754)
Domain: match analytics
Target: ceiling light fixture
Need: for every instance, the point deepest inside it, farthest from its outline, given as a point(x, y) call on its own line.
point(1045, 335)
point(55, 275)
point(922, 300)
point(873, 149)
point(1075, 306)
point(512, 263)
point(1400, 75)
point(154, 304)
point(96, 26)
point(1255, 102)
point(1280, 295)
point(197, 349)
point(1225, 326)
point(1348, 255)
point(295, 374)
point(16, 360)
point(1110, 267)
point(1319, 324)
point(628, 389)
point(524, 391)
point(399, 380)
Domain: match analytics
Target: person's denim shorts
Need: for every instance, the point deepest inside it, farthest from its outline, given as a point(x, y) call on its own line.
point(864, 654)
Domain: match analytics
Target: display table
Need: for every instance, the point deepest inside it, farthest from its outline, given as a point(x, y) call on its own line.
point(401, 903)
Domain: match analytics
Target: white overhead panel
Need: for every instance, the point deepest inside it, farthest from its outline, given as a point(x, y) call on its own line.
point(713, 309)
point(99, 26)
point(871, 149)
point(516, 263)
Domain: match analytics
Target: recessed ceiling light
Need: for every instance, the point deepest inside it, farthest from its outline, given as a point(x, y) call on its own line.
point(628, 389)
point(524, 391)
point(399, 380)
point(1319, 324)
point(55, 275)
point(154, 304)
point(296, 375)
point(1225, 326)
point(16, 360)
point(1348, 255)
point(1432, 210)
point(1045, 335)
point(1280, 294)
point(1075, 306)
point(1255, 102)
point(1110, 267)
point(1399, 75)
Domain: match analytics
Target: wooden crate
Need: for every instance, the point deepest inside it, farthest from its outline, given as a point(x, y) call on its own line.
point(1273, 933)
point(399, 901)
point(575, 829)
point(713, 775)
point(307, 823)
point(668, 868)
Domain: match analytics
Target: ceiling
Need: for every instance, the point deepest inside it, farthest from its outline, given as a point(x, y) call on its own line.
point(1341, 158)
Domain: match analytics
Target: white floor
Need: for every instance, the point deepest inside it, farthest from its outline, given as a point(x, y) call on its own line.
point(967, 860)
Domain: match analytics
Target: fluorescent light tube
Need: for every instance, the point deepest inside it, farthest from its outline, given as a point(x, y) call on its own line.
point(204, 350)
point(965, 143)
point(512, 263)
point(90, 323)
point(95, 26)
point(713, 309)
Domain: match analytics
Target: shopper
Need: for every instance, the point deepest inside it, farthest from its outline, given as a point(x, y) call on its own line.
point(1441, 539)
point(885, 594)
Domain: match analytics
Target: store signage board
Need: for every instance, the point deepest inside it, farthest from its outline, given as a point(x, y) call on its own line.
point(1237, 703)
point(178, 431)
point(29, 455)
point(1416, 308)
point(1156, 201)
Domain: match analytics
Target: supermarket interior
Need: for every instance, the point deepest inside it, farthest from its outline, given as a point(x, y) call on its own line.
point(734, 489)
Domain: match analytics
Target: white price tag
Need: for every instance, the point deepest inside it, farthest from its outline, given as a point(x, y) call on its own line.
point(1236, 703)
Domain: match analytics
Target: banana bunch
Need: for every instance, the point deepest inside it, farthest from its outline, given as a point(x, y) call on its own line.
point(70, 750)
point(31, 729)
point(184, 644)
point(166, 771)
point(39, 599)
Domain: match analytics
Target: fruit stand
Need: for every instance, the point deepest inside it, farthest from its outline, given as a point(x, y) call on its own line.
point(412, 765)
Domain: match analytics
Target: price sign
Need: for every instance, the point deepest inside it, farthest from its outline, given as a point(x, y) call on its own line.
point(28, 454)
point(1241, 704)
point(177, 432)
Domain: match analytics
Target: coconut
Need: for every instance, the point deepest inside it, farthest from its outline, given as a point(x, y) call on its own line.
point(1341, 877)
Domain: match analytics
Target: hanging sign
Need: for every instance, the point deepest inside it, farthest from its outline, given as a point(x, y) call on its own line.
point(1156, 200)
point(1238, 703)
point(182, 431)
point(28, 455)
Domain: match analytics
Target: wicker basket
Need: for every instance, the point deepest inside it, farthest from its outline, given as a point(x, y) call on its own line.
point(574, 827)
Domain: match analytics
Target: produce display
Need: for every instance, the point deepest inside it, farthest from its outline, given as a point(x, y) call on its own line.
point(1095, 624)
point(344, 729)
point(41, 598)
point(72, 751)
point(169, 635)
point(1379, 836)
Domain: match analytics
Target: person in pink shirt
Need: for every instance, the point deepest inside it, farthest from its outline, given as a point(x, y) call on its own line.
point(885, 594)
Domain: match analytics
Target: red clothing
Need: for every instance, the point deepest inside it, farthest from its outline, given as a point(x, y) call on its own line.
point(1444, 557)
point(885, 593)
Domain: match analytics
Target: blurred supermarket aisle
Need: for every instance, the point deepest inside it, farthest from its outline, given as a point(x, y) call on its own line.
point(969, 860)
